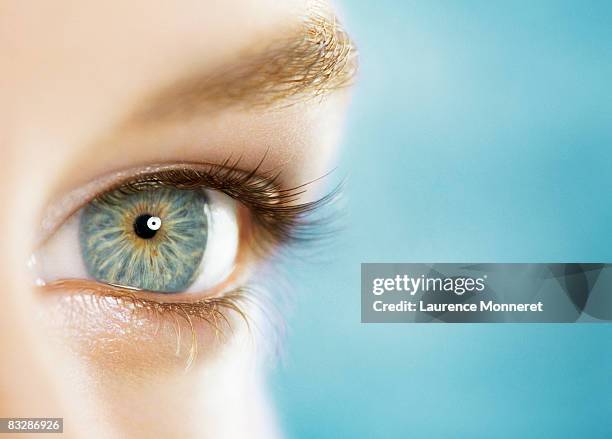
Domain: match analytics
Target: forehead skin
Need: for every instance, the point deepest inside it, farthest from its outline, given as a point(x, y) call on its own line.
point(89, 59)
point(72, 75)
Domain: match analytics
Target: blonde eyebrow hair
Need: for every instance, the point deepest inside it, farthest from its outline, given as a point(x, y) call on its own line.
point(312, 60)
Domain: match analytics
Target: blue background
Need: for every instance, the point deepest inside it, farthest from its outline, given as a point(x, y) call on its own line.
point(479, 131)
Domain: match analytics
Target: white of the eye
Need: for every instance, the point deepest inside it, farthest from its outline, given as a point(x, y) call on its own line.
point(154, 223)
point(222, 242)
point(60, 257)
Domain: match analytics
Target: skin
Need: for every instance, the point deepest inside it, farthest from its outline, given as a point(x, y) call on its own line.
point(80, 85)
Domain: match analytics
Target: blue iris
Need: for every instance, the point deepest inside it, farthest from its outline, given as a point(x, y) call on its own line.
point(152, 239)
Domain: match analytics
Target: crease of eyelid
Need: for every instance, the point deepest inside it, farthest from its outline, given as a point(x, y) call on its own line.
point(243, 302)
point(310, 62)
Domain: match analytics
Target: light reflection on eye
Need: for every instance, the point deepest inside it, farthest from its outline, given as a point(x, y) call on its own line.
point(158, 239)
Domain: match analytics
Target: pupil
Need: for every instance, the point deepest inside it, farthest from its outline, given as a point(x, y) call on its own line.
point(142, 229)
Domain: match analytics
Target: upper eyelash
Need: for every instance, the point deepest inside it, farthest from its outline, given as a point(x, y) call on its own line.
point(281, 219)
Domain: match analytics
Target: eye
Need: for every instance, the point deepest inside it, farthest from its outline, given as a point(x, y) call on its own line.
point(161, 239)
point(198, 229)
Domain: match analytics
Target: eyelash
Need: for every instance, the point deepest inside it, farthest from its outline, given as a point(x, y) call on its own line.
point(281, 221)
point(279, 224)
point(214, 311)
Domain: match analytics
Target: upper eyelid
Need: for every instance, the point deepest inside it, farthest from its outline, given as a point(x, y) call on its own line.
point(280, 216)
point(57, 212)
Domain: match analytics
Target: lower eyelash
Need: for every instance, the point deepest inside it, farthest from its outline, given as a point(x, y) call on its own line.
point(214, 311)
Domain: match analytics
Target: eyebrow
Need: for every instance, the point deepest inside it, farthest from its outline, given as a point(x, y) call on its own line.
point(312, 60)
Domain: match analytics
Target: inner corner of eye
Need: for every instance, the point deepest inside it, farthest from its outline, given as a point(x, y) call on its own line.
point(158, 239)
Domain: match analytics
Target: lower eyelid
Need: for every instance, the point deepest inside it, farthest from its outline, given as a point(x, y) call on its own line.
point(232, 283)
point(112, 322)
